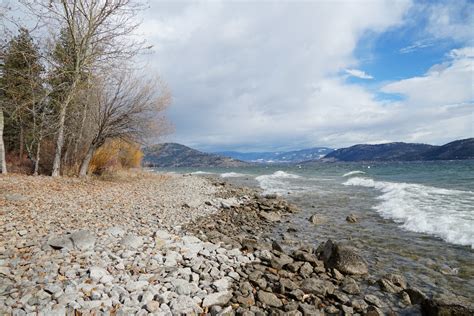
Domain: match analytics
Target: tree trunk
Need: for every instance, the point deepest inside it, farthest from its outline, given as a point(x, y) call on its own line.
point(86, 161)
point(62, 119)
point(22, 141)
point(59, 142)
point(3, 162)
point(37, 158)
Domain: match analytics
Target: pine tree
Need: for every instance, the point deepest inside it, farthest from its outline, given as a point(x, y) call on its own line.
point(23, 91)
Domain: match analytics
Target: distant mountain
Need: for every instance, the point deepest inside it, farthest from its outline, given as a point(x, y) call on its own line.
point(177, 155)
point(460, 149)
point(279, 157)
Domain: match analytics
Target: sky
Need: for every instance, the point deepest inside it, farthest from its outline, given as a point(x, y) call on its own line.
point(284, 75)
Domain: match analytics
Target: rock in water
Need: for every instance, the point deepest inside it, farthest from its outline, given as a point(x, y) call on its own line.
point(446, 305)
point(317, 219)
point(343, 258)
point(352, 218)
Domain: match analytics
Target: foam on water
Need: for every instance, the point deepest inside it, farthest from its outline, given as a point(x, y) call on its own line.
point(445, 213)
point(353, 173)
point(232, 175)
point(201, 172)
point(279, 182)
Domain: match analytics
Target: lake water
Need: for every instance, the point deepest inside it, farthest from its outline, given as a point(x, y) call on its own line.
point(415, 218)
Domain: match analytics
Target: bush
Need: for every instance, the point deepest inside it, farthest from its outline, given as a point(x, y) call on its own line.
point(116, 155)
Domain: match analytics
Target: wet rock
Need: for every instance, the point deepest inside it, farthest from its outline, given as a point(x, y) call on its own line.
point(374, 311)
point(269, 299)
point(373, 300)
point(446, 305)
point(271, 216)
point(352, 218)
point(388, 286)
point(280, 261)
point(317, 219)
point(416, 295)
point(317, 286)
point(396, 279)
point(308, 310)
point(350, 286)
point(343, 258)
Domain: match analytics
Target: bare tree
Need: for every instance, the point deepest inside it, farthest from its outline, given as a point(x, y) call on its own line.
point(101, 34)
point(128, 109)
point(3, 162)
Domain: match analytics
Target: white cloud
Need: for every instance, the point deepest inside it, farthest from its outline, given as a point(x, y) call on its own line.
point(444, 84)
point(266, 75)
point(359, 74)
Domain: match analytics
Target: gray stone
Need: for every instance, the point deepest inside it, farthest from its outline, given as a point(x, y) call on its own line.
point(269, 299)
point(270, 216)
point(184, 305)
point(83, 240)
point(442, 304)
point(116, 231)
point(61, 243)
point(97, 273)
point(219, 298)
point(132, 241)
point(222, 284)
point(317, 286)
point(317, 219)
point(152, 306)
point(373, 300)
point(352, 218)
point(350, 286)
point(343, 258)
point(374, 311)
point(416, 295)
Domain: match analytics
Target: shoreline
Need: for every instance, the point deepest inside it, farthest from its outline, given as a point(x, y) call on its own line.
point(127, 253)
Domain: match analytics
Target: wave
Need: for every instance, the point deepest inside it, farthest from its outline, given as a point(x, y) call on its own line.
point(353, 173)
point(444, 213)
point(201, 172)
point(232, 175)
point(278, 182)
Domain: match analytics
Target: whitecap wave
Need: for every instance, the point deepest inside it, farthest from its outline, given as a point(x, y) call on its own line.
point(201, 172)
point(353, 173)
point(278, 182)
point(445, 213)
point(232, 175)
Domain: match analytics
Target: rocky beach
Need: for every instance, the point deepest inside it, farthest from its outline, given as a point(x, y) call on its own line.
point(167, 244)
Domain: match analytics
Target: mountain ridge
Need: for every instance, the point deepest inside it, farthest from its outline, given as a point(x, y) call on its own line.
point(170, 155)
point(398, 151)
point(293, 156)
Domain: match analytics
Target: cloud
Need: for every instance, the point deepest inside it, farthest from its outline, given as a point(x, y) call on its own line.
point(447, 83)
point(267, 75)
point(415, 47)
point(359, 74)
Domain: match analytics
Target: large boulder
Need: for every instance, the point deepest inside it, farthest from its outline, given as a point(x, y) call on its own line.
point(343, 258)
point(444, 305)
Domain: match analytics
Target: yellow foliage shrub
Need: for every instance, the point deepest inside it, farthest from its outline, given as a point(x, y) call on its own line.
point(116, 155)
